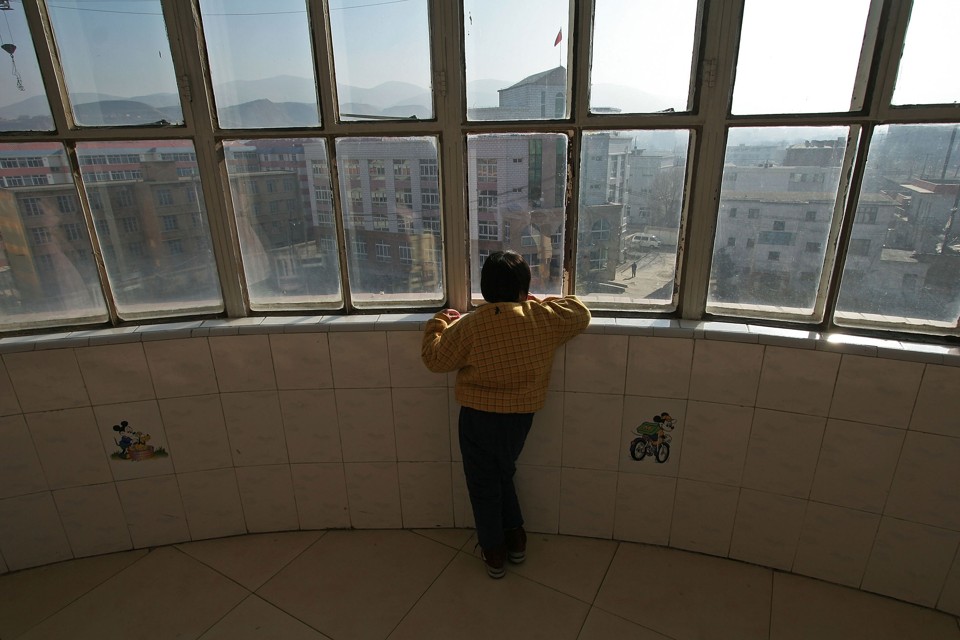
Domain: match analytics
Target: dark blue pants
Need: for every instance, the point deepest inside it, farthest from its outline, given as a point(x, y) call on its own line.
point(490, 444)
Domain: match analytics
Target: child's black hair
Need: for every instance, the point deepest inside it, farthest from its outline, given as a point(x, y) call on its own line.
point(505, 277)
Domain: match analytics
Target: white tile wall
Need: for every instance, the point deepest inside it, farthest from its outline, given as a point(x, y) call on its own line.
point(591, 430)
point(310, 425)
point(596, 363)
point(153, 510)
point(20, 470)
point(181, 367)
point(197, 433)
point(783, 452)
point(46, 380)
point(587, 502)
point(8, 397)
point(243, 363)
point(856, 465)
point(211, 502)
point(703, 516)
point(787, 370)
point(93, 519)
point(30, 531)
point(321, 493)
point(767, 528)
point(876, 390)
point(301, 360)
point(938, 403)
point(910, 561)
point(727, 372)
point(266, 493)
point(786, 457)
point(255, 427)
point(659, 367)
point(835, 543)
point(373, 490)
point(116, 373)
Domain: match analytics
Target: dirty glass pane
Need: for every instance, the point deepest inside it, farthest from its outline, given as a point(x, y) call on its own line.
point(516, 185)
point(381, 55)
point(903, 261)
point(48, 275)
point(631, 198)
point(798, 57)
point(777, 200)
point(116, 62)
point(283, 203)
point(151, 224)
point(928, 70)
point(260, 82)
point(392, 217)
point(516, 59)
point(23, 102)
point(642, 55)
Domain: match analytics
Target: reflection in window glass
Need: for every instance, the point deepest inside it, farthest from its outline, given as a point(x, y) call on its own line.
point(260, 82)
point(150, 222)
point(283, 203)
point(928, 71)
point(392, 220)
point(116, 62)
point(903, 261)
point(645, 74)
point(47, 271)
point(787, 63)
point(785, 180)
point(23, 102)
point(516, 186)
point(516, 59)
point(381, 54)
point(631, 198)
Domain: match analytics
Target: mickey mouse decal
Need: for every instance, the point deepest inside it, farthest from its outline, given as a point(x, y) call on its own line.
point(653, 439)
point(132, 445)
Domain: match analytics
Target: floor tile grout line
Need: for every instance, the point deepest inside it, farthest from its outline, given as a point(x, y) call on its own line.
point(88, 591)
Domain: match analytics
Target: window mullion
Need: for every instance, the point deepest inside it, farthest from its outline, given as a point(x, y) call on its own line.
point(718, 51)
point(43, 44)
point(196, 96)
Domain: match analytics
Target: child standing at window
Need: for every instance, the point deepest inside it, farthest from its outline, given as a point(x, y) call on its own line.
point(503, 352)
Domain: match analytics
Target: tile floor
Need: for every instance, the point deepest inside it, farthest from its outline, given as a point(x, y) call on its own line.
point(376, 584)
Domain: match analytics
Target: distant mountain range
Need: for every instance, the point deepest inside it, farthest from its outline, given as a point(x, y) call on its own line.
point(285, 101)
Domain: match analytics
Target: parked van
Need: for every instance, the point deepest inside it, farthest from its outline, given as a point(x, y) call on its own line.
point(645, 240)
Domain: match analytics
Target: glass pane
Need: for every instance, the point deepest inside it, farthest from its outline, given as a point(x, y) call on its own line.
point(116, 62)
point(283, 202)
point(382, 59)
point(646, 74)
point(631, 197)
point(151, 224)
point(23, 101)
point(798, 57)
point(777, 199)
point(928, 70)
point(516, 186)
point(516, 59)
point(903, 260)
point(260, 82)
point(390, 193)
point(48, 275)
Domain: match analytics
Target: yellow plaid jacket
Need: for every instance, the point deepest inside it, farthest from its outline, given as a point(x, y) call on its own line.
point(503, 350)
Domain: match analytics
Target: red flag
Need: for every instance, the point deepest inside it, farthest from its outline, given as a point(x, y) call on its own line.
point(559, 37)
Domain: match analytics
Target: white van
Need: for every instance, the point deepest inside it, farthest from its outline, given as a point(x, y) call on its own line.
point(645, 240)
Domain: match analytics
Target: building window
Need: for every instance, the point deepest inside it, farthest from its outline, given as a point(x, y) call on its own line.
point(733, 212)
point(174, 247)
point(67, 204)
point(73, 231)
point(811, 216)
point(401, 168)
point(428, 169)
point(600, 230)
point(430, 199)
point(813, 247)
point(486, 168)
point(130, 224)
point(432, 226)
point(867, 214)
point(779, 225)
point(773, 256)
point(753, 214)
point(487, 230)
point(381, 222)
point(169, 223)
point(39, 235)
point(31, 207)
point(406, 254)
point(404, 198)
point(860, 247)
point(359, 248)
point(383, 251)
point(164, 197)
point(731, 241)
point(487, 200)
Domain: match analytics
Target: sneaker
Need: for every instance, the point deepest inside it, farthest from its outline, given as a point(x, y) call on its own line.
point(493, 558)
point(516, 541)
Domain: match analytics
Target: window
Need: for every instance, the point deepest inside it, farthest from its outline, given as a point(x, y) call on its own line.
point(73, 231)
point(773, 256)
point(174, 247)
point(406, 254)
point(39, 235)
point(782, 187)
point(383, 251)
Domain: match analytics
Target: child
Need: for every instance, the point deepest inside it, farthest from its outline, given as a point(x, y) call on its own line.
point(504, 354)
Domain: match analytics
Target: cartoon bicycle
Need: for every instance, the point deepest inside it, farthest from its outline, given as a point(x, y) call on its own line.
point(653, 439)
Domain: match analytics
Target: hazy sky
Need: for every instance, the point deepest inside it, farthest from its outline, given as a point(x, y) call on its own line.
point(119, 47)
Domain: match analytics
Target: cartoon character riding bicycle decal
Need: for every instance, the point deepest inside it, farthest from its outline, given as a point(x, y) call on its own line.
point(652, 438)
